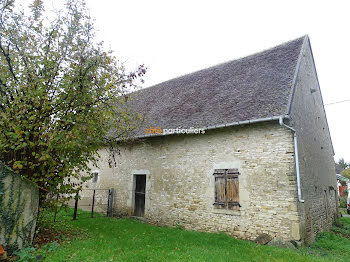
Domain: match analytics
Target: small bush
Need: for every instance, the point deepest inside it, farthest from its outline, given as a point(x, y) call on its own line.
point(50, 247)
point(343, 202)
point(338, 223)
point(25, 254)
point(29, 254)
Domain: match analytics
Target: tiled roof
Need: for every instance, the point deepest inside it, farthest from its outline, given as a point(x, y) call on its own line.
point(253, 87)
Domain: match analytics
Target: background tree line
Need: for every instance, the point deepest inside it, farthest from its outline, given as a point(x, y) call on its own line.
point(342, 167)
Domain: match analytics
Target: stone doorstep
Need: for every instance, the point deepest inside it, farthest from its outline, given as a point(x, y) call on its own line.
point(141, 219)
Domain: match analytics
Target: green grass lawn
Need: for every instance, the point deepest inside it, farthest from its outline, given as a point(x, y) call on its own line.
point(111, 239)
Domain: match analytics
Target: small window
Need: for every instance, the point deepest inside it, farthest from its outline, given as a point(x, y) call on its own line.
point(95, 177)
point(226, 188)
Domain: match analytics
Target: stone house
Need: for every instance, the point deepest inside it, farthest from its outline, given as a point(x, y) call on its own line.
point(261, 160)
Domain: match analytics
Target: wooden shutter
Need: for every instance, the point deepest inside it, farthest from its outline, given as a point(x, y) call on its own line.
point(226, 187)
point(220, 188)
point(232, 187)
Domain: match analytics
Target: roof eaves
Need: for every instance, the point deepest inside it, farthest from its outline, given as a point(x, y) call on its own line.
point(245, 122)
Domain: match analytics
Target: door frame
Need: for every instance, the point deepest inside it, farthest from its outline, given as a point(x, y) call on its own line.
point(132, 188)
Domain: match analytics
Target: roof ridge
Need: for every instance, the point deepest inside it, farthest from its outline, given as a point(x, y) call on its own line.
point(230, 61)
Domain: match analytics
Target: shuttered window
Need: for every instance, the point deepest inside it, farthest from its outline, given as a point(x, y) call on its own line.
point(226, 188)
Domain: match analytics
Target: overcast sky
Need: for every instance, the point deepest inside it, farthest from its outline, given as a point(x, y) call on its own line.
point(173, 38)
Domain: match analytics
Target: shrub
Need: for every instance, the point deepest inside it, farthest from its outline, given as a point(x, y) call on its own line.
point(26, 254)
point(343, 202)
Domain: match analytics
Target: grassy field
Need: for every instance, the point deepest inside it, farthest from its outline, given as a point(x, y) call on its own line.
point(110, 239)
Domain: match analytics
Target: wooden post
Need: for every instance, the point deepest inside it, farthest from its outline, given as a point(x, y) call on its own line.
point(109, 193)
point(54, 218)
point(110, 202)
point(76, 206)
point(93, 204)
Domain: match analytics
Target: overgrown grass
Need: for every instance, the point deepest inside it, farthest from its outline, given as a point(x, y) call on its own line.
point(110, 239)
point(334, 245)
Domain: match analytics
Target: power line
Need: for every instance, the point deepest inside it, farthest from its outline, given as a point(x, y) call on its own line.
point(338, 102)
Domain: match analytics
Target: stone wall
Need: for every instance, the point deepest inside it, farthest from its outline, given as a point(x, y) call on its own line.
point(180, 182)
point(19, 200)
point(318, 180)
